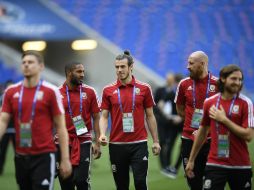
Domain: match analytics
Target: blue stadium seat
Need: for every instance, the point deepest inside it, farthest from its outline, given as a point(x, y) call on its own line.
point(162, 33)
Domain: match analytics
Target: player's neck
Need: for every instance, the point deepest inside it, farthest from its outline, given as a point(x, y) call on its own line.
point(203, 75)
point(227, 96)
point(127, 80)
point(31, 82)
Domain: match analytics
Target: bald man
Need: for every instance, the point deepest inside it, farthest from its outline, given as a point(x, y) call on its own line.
point(190, 96)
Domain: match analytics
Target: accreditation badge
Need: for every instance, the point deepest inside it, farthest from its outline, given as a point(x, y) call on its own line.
point(79, 125)
point(128, 123)
point(25, 135)
point(223, 146)
point(196, 118)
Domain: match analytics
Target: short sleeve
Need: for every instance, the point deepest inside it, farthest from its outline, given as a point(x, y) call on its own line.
point(95, 102)
point(56, 102)
point(180, 97)
point(105, 102)
point(149, 101)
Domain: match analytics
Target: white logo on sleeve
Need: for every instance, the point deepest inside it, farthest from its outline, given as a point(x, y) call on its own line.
point(145, 158)
point(45, 182)
point(189, 88)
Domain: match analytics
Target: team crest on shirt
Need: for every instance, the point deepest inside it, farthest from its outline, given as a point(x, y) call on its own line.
point(40, 95)
point(212, 88)
point(84, 96)
point(137, 91)
point(235, 109)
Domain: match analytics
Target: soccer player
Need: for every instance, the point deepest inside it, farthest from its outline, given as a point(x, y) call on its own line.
point(36, 107)
point(128, 101)
point(81, 104)
point(229, 117)
point(190, 96)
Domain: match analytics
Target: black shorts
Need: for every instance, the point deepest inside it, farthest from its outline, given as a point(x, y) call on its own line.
point(80, 177)
point(217, 177)
point(124, 157)
point(195, 183)
point(35, 171)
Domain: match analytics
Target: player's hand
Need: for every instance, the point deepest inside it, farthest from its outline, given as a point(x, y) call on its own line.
point(96, 149)
point(217, 114)
point(103, 140)
point(65, 168)
point(189, 169)
point(156, 148)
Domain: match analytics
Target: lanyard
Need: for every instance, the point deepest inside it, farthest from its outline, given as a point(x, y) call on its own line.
point(194, 90)
point(229, 111)
point(133, 99)
point(34, 101)
point(69, 103)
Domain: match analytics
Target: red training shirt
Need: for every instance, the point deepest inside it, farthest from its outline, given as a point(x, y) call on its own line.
point(242, 115)
point(184, 96)
point(143, 100)
point(48, 105)
point(90, 105)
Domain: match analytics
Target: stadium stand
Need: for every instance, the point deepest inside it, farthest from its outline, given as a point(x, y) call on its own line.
point(162, 33)
point(8, 73)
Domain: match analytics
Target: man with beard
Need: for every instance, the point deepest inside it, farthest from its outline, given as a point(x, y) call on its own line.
point(229, 117)
point(128, 101)
point(190, 96)
point(81, 104)
point(36, 108)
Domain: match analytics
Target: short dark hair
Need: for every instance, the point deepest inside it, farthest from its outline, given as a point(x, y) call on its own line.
point(225, 72)
point(126, 55)
point(70, 66)
point(34, 53)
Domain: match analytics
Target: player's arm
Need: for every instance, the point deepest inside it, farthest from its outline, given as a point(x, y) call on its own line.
point(152, 126)
point(96, 146)
point(103, 127)
point(65, 165)
point(198, 143)
point(4, 120)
